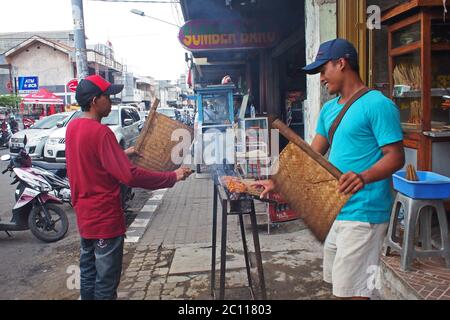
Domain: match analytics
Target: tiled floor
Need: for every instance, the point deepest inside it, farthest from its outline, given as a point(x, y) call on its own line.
point(429, 278)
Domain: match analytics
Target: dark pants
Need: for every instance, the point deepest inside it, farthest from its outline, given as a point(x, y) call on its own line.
point(100, 268)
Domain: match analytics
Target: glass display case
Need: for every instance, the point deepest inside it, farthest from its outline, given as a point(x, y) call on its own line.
point(419, 72)
point(295, 112)
point(252, 147)
point(215, 109)
point(215, 117)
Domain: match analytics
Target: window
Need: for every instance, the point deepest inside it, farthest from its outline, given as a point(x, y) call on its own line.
point(135, 115)
point(126, 114)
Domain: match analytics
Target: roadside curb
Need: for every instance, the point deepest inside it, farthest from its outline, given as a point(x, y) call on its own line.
point(137, 229)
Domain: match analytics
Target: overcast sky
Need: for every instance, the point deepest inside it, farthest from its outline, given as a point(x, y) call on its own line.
point(147, 46)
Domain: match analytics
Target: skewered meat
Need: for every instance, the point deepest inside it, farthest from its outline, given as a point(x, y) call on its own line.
point(234, 185)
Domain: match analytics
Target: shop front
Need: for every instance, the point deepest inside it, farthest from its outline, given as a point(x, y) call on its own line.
point(259, 44)
point(407, 59)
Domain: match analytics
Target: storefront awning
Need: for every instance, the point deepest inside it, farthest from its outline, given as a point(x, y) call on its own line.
point(43, 96)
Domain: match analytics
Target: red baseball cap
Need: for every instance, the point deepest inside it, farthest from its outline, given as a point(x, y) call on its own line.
point(93, 86)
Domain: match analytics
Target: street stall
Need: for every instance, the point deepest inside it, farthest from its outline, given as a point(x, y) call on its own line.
point(235, 198)
point(419, 80)
point(310, 191)
point(40, 104)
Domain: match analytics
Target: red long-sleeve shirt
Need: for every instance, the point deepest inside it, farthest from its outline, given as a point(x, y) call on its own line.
point(96, 165)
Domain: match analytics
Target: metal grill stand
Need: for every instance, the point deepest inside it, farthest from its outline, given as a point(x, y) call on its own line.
point(234, 207)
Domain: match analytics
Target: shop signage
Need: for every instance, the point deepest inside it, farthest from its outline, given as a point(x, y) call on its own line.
point(28, 83)
point(198, 35)
point(9, 86)
point(72, 85)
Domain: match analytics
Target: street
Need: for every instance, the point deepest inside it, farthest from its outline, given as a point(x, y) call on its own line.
point(32, 269)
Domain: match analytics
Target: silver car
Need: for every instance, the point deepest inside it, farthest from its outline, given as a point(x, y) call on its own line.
point(124, 122)
point(37, 135)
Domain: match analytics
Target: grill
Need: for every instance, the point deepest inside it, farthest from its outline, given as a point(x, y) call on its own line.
point(62, 141)
point(16, 140)
point(233, 203)
point(61, 154)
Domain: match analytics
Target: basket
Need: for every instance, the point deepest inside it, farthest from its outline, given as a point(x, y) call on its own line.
point(431, 186)
point(308, 183)
point(155, 142)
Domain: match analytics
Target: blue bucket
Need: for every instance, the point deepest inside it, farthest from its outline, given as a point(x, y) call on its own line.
point(430, 186)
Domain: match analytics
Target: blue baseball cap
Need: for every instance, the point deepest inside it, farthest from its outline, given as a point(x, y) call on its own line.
point(332, 50)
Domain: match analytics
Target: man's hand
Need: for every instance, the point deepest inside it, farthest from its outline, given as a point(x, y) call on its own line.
point(268, 185)
point(130, 152)
point(351, 183)
point(183, 173)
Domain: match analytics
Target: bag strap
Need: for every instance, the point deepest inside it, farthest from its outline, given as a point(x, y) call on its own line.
point(341, 115)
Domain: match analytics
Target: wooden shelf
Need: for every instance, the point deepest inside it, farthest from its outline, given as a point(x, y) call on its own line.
point(405, 49)
point(414, 94)
point(403, 8)
point(440, 47)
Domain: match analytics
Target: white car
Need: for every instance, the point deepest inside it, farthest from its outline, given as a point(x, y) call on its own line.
point(37, 135)
point(124, 121)
point(169, 112)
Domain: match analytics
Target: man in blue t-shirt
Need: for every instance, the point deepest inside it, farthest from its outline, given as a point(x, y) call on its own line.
point(367, 146)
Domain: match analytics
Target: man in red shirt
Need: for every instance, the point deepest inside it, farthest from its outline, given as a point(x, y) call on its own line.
point(96, 166)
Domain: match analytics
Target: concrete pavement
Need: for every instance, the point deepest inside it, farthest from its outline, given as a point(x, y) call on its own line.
point(172, 260)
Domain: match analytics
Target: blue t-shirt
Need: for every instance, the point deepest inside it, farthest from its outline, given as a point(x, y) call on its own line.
point(371, 123)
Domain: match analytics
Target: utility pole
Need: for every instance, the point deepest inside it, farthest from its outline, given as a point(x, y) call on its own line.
point(80, 39)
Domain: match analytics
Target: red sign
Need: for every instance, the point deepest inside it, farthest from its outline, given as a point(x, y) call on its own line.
point(72, 85)
point(280, 212)
point(9, 86)
point(197, 35)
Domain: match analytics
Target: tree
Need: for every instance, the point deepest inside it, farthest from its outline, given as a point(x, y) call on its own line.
point(10, 101)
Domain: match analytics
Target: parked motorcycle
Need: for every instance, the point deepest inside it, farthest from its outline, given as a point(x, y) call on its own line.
point(13, 124)
point(5, 134)
point(56, 175)
point(36, 208)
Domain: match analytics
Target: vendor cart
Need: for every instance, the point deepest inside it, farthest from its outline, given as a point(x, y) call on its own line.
point(215, 117)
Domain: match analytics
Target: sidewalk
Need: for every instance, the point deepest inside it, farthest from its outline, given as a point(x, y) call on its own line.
point(173, 258)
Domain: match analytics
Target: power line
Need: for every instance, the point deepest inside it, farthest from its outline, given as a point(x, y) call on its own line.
point(172, 8)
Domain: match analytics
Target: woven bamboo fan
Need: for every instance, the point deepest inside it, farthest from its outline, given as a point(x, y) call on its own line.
point(308, 183)
point(155, 144)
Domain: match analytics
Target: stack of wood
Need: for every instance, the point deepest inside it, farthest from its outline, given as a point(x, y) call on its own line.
point(411, 173)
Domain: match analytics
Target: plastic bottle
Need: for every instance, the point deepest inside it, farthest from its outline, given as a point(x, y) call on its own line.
point(252, 111)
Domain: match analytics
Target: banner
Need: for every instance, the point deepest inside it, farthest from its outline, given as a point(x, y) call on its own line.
point(199, 35)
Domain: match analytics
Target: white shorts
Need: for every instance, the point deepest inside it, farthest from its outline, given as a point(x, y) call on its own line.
point(351, 258)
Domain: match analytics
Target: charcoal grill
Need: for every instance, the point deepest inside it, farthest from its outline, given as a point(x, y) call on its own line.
point(240, 205)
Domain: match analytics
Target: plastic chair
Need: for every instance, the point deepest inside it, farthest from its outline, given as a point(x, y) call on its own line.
point(414, 211)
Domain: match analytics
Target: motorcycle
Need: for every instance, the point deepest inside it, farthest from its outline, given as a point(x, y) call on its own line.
point(36, 208)
point(5, 134)
point(56, 175)
point(14, 125)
